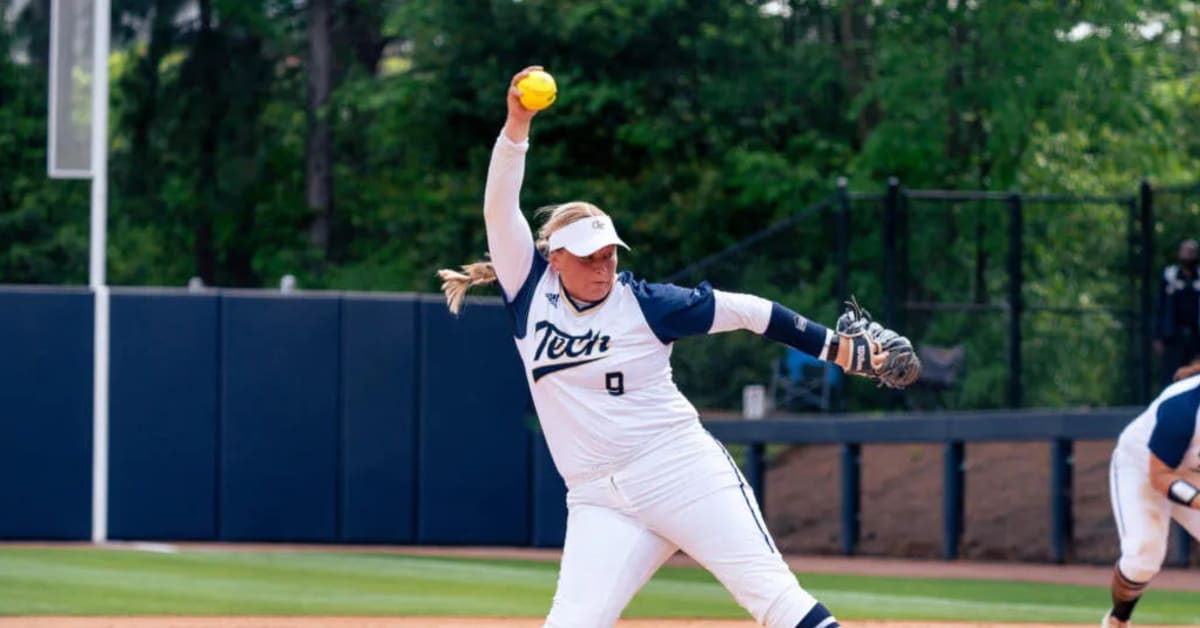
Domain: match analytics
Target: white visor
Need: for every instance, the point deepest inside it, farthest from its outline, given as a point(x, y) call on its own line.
point(586, 236)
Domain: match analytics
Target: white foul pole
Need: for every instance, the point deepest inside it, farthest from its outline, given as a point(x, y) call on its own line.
point(97, 280)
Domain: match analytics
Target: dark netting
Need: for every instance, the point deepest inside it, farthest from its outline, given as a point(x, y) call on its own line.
point(1011, 299)
point(1080, 302)
point(951, 298)
point(792, 262)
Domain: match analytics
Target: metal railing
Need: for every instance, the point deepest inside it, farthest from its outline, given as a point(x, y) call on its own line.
point(953, 429)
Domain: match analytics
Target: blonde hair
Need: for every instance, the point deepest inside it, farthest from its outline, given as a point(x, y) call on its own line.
point(456, 282)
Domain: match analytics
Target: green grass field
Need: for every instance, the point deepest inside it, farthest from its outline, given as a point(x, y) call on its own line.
point(77, 581)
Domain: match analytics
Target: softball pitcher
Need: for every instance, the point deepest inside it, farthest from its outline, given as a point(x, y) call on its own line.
point(1153, 480)
point(644, 478)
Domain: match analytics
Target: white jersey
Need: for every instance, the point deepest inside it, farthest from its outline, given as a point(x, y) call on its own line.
point(600, 376)
point(1169, 428)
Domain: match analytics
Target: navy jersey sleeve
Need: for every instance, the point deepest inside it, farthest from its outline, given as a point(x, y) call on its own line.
point(1174, 427)
point(518, 307)
point(673, 312)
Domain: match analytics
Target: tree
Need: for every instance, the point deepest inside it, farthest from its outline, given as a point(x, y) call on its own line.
point(318, 165)
point(345, 142)
point(43, 222)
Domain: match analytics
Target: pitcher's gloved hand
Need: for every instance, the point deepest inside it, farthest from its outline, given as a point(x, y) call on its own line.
point(869, 349)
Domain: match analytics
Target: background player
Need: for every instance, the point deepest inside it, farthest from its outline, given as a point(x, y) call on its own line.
point(1153, 480)
point(644, 478)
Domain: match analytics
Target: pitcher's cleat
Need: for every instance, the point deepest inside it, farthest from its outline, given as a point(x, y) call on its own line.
point(1111, 622)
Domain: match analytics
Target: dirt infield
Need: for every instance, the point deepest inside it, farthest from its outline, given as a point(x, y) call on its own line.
point(428, 622)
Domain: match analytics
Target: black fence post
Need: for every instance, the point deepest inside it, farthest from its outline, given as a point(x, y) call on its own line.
point(842, 281)
point(842, 242)
point(1061, 490)
point(1147, 201)
point(1015, 229)
point(891, 204)
point(891, 286)
point(1137, 357)
point(851, 491)
point(952, 498)
point(905, 239)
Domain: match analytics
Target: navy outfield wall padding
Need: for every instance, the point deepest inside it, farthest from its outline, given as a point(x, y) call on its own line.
point(473, 485)
point(163, 415)
point(280, 423)
point(46, 414)
point(549, 497)
point(379, 415)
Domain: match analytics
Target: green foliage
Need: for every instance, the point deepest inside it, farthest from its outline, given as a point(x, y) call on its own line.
point(43, 223)
point(696, 123)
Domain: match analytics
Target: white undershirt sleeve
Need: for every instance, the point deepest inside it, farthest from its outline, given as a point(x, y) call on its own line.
point(510, 241)
point(734, 310)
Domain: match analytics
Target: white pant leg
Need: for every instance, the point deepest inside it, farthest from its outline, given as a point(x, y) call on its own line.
point(1143, 518)
point(607, 557)
point(695, 496)
point(724, 532)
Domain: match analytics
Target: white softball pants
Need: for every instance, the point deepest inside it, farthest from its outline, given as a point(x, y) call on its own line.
point(1143, 517)
point(686, 495)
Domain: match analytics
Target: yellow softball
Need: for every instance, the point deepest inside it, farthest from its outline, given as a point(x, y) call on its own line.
point(538, 90)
